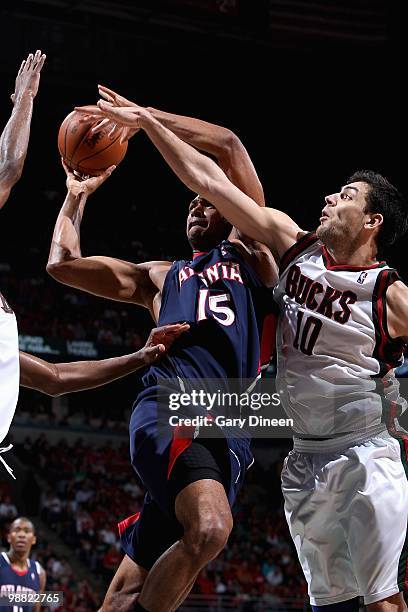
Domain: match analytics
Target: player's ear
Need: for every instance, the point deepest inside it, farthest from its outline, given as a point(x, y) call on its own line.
point(34, 539)
point(375, 220)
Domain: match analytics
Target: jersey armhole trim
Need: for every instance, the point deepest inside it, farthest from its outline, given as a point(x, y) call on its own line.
point(387, 349)
point(296, 249)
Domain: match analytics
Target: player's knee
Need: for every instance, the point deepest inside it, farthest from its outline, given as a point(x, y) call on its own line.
point(208, 537)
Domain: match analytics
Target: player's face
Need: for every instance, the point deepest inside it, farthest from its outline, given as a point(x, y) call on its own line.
point(205, 226)
point(343, 217)
point(21, 536)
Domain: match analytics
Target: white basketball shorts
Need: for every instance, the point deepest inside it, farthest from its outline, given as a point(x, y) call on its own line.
point(347, 513)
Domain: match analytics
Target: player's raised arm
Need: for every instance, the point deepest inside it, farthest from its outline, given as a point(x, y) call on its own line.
point(220, 142)
point(15, 136)
point(270, 226)
point(103, 276)
point(60, 378)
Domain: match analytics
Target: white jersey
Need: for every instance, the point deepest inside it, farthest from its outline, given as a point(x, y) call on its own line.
point(335, 355)
point(9, 367)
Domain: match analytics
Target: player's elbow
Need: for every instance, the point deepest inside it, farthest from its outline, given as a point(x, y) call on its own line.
point(10, 172)
point(49, 385)
point(54, 383)
point(59, 271)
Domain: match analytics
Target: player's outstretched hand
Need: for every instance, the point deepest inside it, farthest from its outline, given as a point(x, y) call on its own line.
point(28, 77)
point(77, 184)
point(161, 339)
point(117, 100)
point(114, 99)
point(127, 118)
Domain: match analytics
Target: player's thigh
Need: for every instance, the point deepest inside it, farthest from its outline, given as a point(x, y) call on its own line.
point(375, 520)
point(125, 587)
point(199, 484)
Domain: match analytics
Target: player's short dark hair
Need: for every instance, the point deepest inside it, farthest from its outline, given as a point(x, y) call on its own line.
point(25, 519)
point(384, 198)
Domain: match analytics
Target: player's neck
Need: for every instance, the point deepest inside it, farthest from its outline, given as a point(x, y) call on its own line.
point(18, 559)
point(362, 255)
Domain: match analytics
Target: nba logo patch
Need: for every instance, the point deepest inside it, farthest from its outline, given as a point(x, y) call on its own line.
point(362, 277)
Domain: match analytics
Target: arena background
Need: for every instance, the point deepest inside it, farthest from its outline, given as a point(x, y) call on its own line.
point(315, 91)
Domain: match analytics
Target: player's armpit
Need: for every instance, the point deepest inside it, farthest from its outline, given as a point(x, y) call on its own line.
point(111, 278)
point(259, 258)
point(397, 310)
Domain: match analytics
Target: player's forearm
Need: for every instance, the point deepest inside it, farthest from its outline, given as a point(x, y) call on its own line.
point(208, 137)
point(222, 143)
point(90, 374)
point(14, 139)
point(66, 243)
point(202, 175)
point(60, 378)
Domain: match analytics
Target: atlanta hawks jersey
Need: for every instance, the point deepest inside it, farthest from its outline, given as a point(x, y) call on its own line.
point(335, 354)
point(9, 366)
point(13, 582)
point(231, 315)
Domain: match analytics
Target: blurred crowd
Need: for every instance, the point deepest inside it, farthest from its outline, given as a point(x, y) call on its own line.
point(84, 482)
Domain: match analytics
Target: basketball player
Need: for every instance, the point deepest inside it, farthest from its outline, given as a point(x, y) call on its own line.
point(342, 331)
point(186, 518)
point(19, 573)
point(30, 371)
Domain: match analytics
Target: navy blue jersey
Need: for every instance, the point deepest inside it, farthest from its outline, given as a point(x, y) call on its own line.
point(231, 317)
point(12, 581)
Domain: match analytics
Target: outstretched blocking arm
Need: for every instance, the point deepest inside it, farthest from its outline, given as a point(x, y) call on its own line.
point(218, 141)
point(16, 134)
point(60, 378)
point(231, 156)
point(270, 226)
point(103, 276)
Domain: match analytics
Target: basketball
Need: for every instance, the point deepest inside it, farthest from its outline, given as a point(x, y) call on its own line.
point(86, 152)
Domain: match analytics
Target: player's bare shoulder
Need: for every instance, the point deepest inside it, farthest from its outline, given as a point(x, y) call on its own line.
point(397, 310)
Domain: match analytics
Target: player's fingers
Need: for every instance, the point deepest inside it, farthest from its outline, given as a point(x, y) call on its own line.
point(155, 351)
point(90, 109)
point(96, 128)
point(113, 129)
point(40, 63)
point(36, 57)
point(29, 61)
point(124, 115)
point(67, 169)
point(107, 94)
point(171, 327)
point(105, 174)
point(20, 70)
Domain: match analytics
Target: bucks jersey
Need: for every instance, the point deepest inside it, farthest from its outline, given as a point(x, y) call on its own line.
point(335, 354)
point(9, 367)
point(13, 581)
